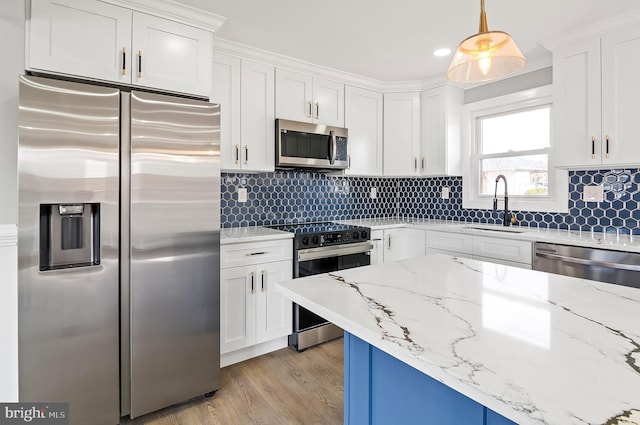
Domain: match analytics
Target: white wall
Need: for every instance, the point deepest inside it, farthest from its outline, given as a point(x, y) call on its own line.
point(12, 47)
point(8, 314)
point(12, 16)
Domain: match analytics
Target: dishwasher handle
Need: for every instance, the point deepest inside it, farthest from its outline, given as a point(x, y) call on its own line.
point(609, 264)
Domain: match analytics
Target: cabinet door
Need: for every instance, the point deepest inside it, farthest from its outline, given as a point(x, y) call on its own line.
point(577, 104)
point(273, 311)
point(257, 117)
point(363, 118)
point(401, 134)
point(328, 102)
point(171, 56)
point(450, 242)
point(403, 243)
point(226, 92)
point(237, 308)
point(294, 96)
point(88, 38)
point(621, 96)
point(503, 250)
point(441, 142)
point(377, 253)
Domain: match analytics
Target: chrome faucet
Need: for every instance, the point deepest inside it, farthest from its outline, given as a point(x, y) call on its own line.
point(506, 216)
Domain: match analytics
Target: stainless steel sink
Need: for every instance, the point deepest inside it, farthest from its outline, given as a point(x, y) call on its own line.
point(493, 229)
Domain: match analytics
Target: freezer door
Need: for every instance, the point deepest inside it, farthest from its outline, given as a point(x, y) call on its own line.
point(68, 315)
point(174, 237)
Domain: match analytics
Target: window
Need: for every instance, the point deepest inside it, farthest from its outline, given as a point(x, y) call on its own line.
point(517, 145)
point(512, 135)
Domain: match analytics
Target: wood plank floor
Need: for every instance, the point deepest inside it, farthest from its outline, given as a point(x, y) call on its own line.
point(279, 388)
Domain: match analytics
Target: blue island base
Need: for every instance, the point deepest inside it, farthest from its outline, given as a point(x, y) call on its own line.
point(381, 390)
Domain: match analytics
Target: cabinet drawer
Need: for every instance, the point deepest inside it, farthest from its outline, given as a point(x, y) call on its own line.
point(502, 249)
point(455, 242)
point(244, 254)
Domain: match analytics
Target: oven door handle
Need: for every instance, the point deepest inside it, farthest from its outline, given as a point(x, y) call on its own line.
point(333, 251)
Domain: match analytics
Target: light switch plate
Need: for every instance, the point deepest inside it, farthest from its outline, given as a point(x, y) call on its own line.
point(242, 194)
point(593, 193)
point(374, 193)
point(445, 192)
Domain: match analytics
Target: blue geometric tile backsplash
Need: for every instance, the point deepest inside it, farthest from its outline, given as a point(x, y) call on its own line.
point(305, 196)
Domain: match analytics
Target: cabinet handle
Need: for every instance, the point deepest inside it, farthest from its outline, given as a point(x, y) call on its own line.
point(593, 147)
point(139, 63)
point(422, 163)
point(249, 254)
point(317, 110)
point(607, 145)
point(124, 61)
point(246, 154)
point(415, 163)
point(309, 103)
point(252, 282)
point(237, 154)
point(389, 242)
point(348, 161)
point(262, 280)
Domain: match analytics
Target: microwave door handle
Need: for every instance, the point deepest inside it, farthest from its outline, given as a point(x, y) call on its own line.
point(334, 147)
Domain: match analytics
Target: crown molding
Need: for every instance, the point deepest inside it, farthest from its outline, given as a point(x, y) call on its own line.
point(248, 52)
point(170, 9)
point(8, 235)
point(591, 30)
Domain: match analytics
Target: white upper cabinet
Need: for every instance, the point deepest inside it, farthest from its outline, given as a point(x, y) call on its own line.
point(441, 146)
point(402, 134)
point(245, 91)
point(595, 98)
point(363, 118)
point(88, 38)
point(257, 116)
point(98, 40)
point(170, 55)
point(301, 97)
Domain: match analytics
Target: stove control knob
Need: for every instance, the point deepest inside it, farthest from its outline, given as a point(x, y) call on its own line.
point(356, 235)
point(305, 240)
point(315, 240)
point(364, 234)
point(322, 239)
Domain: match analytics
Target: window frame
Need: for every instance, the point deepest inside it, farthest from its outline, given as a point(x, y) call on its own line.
point(557, 198)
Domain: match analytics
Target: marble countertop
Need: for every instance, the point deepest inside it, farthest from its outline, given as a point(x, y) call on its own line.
point(536, 348)
point(251, 234)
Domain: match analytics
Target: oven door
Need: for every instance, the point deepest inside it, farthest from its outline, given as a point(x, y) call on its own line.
point(326, 259)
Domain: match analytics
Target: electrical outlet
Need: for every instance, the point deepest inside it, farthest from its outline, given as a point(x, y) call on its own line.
point(593, 193)
point(445, 192)
point(374, 193)
point(242, 194)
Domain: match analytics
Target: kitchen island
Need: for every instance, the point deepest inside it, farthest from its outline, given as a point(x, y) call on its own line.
point(439, 339)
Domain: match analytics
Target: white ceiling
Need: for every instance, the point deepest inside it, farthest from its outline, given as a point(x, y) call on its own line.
point(393, 40)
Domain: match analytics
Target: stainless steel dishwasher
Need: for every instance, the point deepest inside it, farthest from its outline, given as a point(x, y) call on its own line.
point(619, 267)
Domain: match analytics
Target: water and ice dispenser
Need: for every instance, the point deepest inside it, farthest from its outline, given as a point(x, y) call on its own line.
point(69, 235)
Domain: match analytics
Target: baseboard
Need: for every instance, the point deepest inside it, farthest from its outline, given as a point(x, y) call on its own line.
point(247, 353)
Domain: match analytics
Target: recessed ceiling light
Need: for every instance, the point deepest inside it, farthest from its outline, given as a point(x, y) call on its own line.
point(442, 52)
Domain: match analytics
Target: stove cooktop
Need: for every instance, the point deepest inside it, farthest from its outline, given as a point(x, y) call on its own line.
point(312, 235)
point(303, 228)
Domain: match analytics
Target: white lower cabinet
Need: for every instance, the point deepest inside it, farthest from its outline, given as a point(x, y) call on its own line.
point(509, 252)
point(396, 244)
point(252, 311)
point(377, 253)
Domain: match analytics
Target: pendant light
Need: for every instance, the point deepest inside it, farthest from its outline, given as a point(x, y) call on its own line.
point(485, 56)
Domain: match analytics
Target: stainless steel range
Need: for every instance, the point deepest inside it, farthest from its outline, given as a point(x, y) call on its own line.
point(323, 248)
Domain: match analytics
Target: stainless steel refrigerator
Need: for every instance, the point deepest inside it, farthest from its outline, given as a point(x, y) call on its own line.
point(118, 241)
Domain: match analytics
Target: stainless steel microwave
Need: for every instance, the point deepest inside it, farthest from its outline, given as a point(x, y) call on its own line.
point(305, 145)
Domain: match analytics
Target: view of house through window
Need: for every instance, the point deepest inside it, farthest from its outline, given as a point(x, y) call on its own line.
point(516, 144)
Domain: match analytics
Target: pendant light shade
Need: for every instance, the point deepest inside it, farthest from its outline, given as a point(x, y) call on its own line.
point(485, 56)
